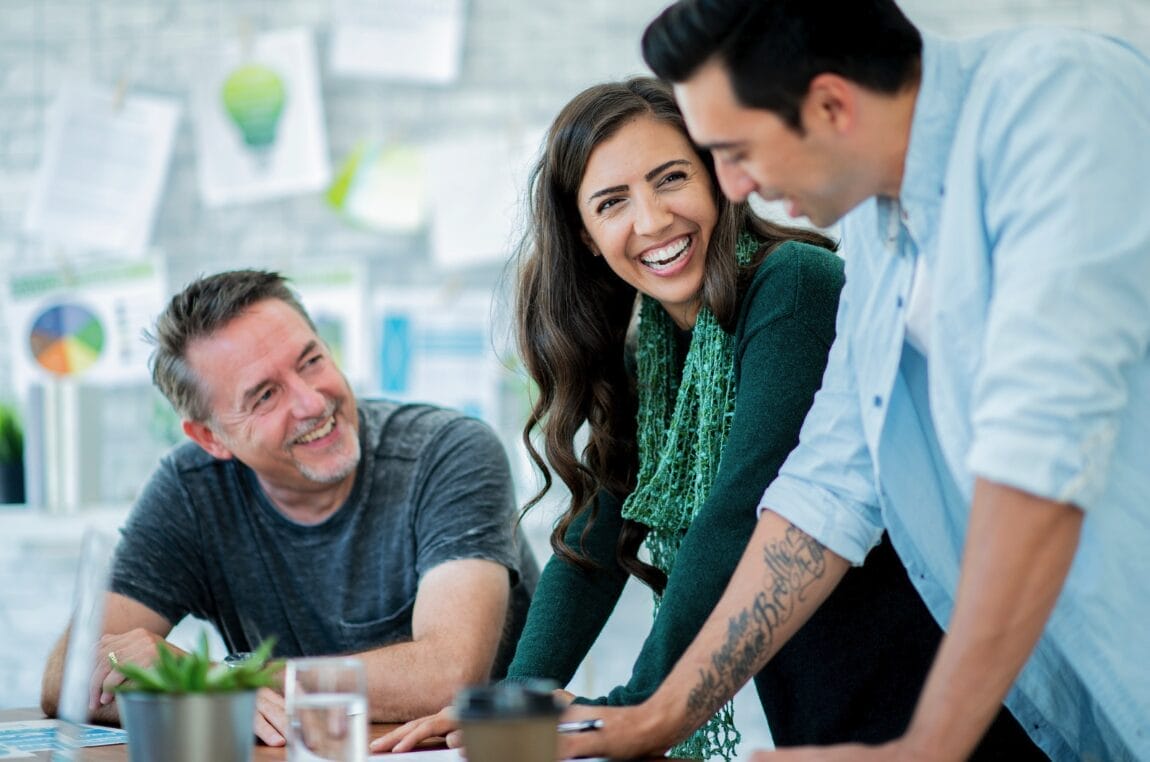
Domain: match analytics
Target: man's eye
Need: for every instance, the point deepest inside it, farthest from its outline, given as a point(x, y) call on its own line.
point(264, 397)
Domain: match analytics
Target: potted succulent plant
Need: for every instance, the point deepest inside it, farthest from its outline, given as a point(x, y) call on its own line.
point(184, 708)
point(11, 456)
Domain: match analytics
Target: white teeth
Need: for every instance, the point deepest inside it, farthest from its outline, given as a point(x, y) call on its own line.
point(662, 258)
point(319, 433)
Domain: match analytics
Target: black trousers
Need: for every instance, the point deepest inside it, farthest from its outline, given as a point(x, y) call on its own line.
point(854, 672)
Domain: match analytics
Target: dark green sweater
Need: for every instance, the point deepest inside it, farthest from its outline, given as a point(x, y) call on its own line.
point(785, 329)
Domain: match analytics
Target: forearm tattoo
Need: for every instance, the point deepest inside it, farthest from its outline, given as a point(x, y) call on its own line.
point(790, 567)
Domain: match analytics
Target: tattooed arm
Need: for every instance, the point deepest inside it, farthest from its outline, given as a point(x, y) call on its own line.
point(782, 579)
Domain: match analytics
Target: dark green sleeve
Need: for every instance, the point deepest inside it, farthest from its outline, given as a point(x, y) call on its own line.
point(570, 606)
point(784, 333)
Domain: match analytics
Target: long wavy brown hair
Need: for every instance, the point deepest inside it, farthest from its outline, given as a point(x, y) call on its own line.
point(573, 313)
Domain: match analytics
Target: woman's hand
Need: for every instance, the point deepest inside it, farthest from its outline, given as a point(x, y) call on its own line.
point(562, 697)
point(627, 732)
point(406, 736)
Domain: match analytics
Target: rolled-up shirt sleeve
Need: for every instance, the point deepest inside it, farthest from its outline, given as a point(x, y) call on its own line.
point(1070, 313)
point(826, 486)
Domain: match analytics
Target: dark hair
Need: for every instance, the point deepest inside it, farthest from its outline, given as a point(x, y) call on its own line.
point(573, 312)
point(772, 49)
point(206, 305)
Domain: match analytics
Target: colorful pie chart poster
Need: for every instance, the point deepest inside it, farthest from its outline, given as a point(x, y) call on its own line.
point(85, 326)
point(66, 339)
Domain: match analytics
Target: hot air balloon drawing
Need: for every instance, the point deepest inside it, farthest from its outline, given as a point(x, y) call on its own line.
point(254, 95)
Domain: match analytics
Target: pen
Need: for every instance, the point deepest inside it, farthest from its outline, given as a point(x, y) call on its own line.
point(580, 726)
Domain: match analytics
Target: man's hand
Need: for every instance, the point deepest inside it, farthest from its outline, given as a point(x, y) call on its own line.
point(137, 646)
point(271, 717)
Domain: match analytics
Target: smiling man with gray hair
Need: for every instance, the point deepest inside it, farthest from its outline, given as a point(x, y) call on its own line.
point(377, 529)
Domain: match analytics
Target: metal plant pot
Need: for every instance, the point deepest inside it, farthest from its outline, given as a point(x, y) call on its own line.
point(188, 727)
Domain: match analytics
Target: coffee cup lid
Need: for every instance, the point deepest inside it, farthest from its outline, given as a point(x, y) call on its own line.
point(507, 700)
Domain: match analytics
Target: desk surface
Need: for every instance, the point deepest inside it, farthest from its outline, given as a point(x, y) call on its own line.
point(119, 752)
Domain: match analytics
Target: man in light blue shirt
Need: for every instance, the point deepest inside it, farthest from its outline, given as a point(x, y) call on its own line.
point(987, 400)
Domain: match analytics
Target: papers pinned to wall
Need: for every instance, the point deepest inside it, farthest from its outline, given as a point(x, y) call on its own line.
point(398, 39)
point(104, 164)
point(259, 120)
point(78, 350)
point(86, 324)
point(381, 187)
point(477, 188)
point(434, 345)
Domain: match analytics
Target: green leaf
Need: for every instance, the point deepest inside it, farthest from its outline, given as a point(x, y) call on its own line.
point(141, 678)
point(194, 672)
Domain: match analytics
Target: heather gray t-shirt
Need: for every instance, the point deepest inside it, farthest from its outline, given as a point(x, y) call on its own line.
point(432, 486)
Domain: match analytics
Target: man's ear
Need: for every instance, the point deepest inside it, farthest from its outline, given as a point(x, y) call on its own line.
point(831, 101)
point(207, 439)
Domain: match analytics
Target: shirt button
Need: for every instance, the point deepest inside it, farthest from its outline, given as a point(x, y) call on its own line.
point(877, 401)
point(898, 302)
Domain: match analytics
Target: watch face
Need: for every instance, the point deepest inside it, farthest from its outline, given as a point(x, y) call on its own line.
point(237, 658)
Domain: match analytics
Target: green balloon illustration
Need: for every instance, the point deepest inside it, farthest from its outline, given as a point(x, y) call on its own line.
point(253, 95)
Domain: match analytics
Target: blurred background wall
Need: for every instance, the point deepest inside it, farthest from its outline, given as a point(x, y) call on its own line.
point(459, 148)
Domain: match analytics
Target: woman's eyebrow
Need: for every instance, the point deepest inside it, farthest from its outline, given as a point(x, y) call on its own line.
point(648, 177)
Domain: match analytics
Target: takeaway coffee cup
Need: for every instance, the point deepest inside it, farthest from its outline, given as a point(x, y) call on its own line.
point(509, 722)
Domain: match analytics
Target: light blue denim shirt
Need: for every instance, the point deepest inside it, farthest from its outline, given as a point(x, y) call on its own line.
point(1026, 192)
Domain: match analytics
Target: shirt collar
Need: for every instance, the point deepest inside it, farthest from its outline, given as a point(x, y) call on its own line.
point(936, 115)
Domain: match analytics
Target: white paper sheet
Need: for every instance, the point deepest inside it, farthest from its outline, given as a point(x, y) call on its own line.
point(234, 165)
point(477, 187)
point(446, 755)
point(432, 755)
point(381, 187)
point(398, 39)
point(103, 168)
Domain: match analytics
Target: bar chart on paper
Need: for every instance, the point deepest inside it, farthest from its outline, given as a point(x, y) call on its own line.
point(66, 339)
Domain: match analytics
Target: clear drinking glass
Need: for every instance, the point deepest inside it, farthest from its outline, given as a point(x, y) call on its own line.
point(327, 710)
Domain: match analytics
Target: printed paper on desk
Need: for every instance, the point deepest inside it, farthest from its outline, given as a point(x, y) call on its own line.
point(431, 755)
point(103, 168)
point(398, 39)
point(444, 755)
point(19, 738)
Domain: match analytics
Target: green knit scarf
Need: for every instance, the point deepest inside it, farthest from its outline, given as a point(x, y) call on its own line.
point(683, 423)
